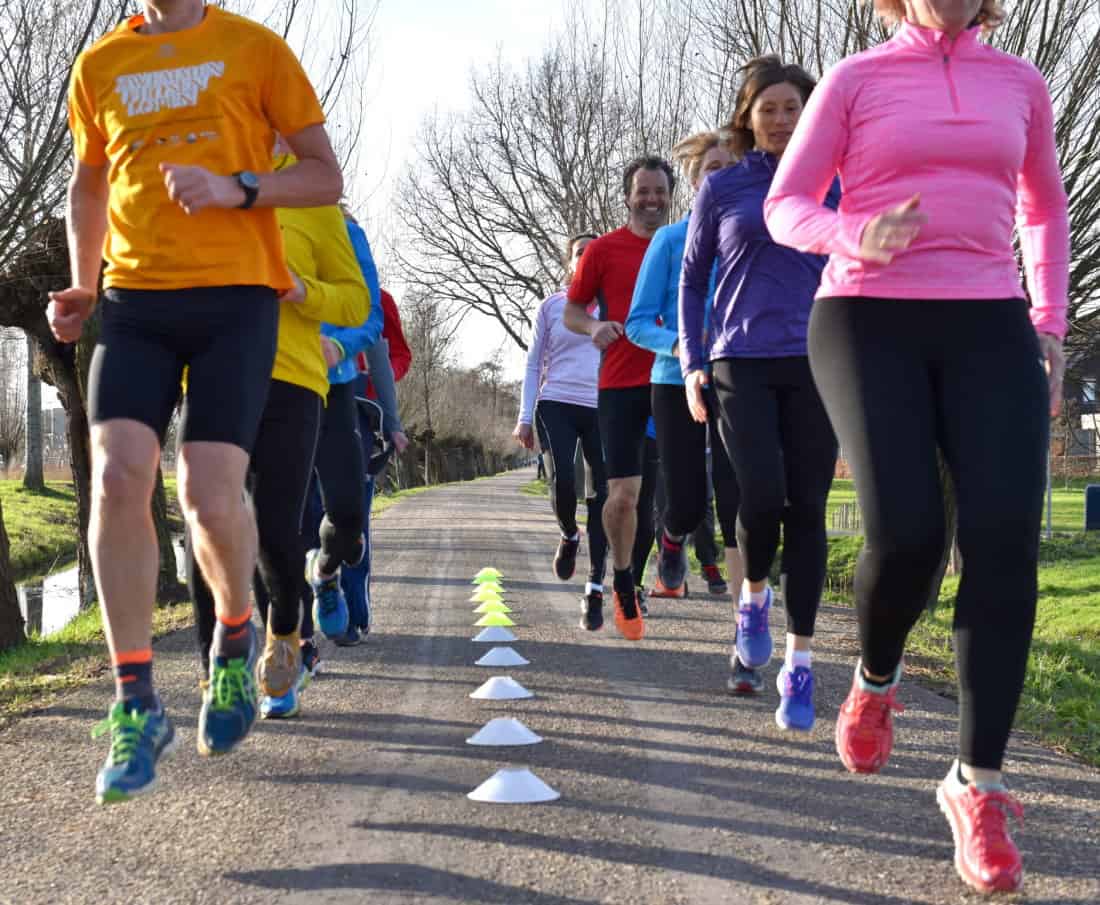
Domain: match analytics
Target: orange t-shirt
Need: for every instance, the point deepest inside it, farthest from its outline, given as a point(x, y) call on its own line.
point(211, 96)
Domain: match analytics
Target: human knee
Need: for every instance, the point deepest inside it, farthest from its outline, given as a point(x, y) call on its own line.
point(913, 556)
point(211, 505)
point(123, 478)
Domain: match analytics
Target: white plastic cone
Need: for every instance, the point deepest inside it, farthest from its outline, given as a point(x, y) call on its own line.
point(502, 656)
point(513, 785)
point(504, 732)
point(495, 635)
point(501, 688)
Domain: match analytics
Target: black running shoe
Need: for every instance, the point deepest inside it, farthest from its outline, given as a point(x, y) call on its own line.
point(743, 680)
point(592, 612)
point(565, 560)
point(716, 584)
point(671, 563)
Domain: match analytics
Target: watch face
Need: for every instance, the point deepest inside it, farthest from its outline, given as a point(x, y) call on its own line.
point(249, 180)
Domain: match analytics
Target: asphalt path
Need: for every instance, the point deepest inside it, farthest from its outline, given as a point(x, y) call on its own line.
point(671, 791)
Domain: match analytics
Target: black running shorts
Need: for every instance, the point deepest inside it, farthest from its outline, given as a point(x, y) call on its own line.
point(225, 336)
point(623, 415)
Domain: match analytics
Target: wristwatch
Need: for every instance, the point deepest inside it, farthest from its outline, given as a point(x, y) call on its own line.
point(250, 184)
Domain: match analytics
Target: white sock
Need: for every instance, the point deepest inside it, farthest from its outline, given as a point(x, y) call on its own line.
point(755, 598)
point(590, 586)
point(576, 536)
point(797, 658)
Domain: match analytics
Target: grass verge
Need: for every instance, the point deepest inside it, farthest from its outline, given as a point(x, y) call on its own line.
point(35, 672)
point(41, 526)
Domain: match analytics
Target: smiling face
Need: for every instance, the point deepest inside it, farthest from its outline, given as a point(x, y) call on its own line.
point(648, 200)
point(774, 115)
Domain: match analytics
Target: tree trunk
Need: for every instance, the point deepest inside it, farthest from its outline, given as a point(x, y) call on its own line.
point(169, 587)
point(11, 619)
point(32, 472)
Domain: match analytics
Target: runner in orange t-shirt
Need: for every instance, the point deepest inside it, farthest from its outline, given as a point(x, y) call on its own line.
point(173, 116)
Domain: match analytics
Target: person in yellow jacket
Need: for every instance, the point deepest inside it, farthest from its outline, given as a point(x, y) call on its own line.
point(328, 287)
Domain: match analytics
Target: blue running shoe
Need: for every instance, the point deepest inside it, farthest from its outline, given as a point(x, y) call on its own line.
point(330, 607)
point(754, 639)
point(229, 703)
point(139, 738)
point(796, 699)
point(285, 706)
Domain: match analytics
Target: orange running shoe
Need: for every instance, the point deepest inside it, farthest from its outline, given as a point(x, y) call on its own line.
point(985, 855)
point(628, 618)
point(659, 590)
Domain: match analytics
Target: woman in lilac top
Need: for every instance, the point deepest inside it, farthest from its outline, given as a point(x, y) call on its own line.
point(559, 402)
point(922, 338)
point(771, 420)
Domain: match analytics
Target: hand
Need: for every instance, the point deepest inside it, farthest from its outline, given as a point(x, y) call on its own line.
point(400, 441)
point(1055, 360)
point(892, 232)
point(196, 188)
point(676, 349)
point(67, 311)
point(332, 352)
point(694, 384)
point(526, 436)
point(297, 295)
point(606, 333)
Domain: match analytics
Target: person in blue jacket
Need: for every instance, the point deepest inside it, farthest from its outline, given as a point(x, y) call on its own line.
point(681, 441)
point(772, 421)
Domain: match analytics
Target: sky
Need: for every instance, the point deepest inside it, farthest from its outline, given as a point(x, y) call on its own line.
point(422, 54)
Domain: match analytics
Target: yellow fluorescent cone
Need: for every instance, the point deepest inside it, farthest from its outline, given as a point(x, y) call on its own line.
point(490, 587)
point(491, 606)
point(482, 596)
point(494, 619)
point(488, 574)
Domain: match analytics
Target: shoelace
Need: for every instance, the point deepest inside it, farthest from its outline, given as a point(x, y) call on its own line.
point(126, 730)
point(798, 682)
point(752, 620)
point(872, 710)
point(988, 813)
point(230, 684)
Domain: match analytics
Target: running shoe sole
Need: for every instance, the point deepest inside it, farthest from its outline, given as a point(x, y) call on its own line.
point(117, 796)
point(662, 593)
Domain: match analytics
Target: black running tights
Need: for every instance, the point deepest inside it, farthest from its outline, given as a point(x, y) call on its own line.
point(899, 379)
point(783, 450)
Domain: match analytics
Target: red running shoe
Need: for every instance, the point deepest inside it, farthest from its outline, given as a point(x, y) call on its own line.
point(628, 618)
point(985, 855)
point(865, 727)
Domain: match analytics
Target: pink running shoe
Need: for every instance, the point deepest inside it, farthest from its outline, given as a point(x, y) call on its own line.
point(865, 726)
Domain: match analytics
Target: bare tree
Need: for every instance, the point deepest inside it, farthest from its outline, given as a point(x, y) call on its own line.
point(33, 478)
point(12, 396)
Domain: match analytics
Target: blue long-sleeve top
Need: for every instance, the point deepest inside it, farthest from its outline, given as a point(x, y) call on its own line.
point(653, 322)
point(764, 291)
point(354, 340)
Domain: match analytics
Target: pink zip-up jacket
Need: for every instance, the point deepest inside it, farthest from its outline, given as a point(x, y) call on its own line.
point(969, 128)
point(562, 366)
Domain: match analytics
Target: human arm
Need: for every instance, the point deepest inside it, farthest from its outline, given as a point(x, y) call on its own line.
point(700, 250)
point(536, 359)
point(580, 296)
point(381, 375)
point(650, 298)
point(86, 227)
point(334, 289)
point(353, 340)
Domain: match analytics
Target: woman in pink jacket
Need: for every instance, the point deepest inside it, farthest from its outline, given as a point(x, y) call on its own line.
point(921, 338)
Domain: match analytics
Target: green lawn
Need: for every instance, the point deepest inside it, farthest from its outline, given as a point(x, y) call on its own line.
point(42, 527)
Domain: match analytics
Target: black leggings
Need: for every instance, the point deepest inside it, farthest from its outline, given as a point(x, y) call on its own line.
point(644, 535)
point(561, 426)
point(340, 471)
point(278, 475)
point(682, 447)
point(900, 378)
point(783, 450)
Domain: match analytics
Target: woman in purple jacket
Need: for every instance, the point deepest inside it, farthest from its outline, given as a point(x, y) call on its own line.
point(772, 421)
